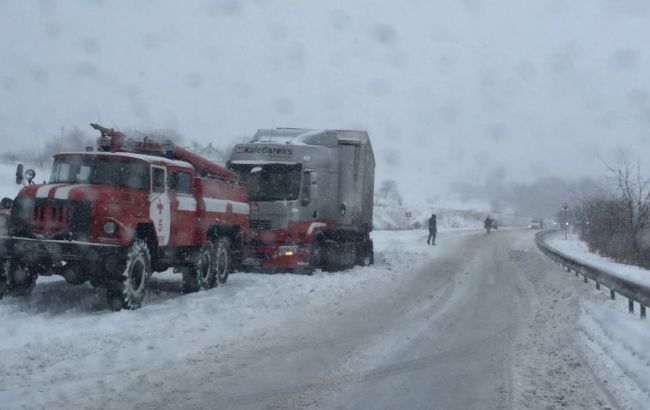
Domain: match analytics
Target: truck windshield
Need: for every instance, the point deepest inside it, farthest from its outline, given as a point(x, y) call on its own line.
point(270, 182)
point(94, 170)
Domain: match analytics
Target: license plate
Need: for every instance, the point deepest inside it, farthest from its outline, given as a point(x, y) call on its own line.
point(39, 246)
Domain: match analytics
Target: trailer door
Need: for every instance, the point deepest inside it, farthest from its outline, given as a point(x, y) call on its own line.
point(348, 205)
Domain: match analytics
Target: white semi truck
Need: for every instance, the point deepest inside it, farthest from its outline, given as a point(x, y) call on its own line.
point(311, 196)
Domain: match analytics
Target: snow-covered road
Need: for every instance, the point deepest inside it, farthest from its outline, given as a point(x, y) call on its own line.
point(476, 322)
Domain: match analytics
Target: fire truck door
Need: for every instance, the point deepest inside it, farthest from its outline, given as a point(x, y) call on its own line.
point(159, 205)
point(183, 207)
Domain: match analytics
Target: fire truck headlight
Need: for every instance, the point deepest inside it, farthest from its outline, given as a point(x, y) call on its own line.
point(110, 227)
point(287, 250)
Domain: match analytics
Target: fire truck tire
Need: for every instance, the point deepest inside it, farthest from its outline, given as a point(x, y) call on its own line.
point(223, 259)
point(205, 267)
point(130, 290)
point(20, 280)
point(190, 283)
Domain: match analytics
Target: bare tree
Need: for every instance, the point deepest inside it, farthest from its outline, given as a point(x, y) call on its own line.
point(389, 191)
point(616, 223)
point(634, 202)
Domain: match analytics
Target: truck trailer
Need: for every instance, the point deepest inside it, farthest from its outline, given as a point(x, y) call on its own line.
point(311, 198)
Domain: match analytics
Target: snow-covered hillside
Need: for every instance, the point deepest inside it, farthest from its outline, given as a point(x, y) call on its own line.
point(389, 215)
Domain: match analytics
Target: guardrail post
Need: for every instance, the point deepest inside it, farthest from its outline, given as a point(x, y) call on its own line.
point(642, 311)
point(630, 303)
point(612, 294)
point(597, 285)
point(585, 277)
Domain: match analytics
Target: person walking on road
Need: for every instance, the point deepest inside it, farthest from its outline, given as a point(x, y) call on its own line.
point(487, 224)
point(433, 230)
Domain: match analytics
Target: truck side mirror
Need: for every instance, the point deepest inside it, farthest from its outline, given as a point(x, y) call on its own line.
point(6, 203)
point(19, 174)
point(306, 187)
point(30, 174)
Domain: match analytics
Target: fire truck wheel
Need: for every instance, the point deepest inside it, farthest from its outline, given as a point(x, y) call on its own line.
point(190, 283)
point(205, 267)
point(223, 259)
point(20, 280)
point(130, 290)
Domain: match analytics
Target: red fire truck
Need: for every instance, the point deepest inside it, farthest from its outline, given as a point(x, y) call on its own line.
point(115, 215)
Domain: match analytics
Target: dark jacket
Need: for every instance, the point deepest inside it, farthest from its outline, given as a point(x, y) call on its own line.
point(433, 226)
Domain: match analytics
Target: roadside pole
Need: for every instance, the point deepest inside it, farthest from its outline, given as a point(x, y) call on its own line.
point(565, 210)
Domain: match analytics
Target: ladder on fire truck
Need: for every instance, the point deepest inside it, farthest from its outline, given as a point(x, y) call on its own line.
point(116, 141)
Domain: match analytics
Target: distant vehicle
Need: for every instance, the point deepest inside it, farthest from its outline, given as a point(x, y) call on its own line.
point(536, 223)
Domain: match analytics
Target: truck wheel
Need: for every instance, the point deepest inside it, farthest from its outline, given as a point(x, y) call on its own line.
point(130, 290)
point(316, 257)
point(20, 279)
point(365, 253)
point(190, 283)
point(205, 267)
point(4, 282)
point(223, 259)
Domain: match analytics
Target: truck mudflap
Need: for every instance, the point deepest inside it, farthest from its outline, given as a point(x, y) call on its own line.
point(49, 252)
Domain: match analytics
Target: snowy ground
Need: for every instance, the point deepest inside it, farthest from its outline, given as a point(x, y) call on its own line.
point(476, 322)
point(614, 342)
point(62, 343)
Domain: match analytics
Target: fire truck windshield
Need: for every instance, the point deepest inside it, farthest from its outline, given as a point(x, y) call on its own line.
point(95, 170)
point(270, 182)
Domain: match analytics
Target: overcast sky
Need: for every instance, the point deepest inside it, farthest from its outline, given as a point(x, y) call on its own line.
point(450, 91)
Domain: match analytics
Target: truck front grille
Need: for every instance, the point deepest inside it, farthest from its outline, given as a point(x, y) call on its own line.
point(51, 218)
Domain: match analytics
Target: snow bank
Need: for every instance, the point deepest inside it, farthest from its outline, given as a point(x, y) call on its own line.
point(614, 342)
point(574, 246)
point(616, 346)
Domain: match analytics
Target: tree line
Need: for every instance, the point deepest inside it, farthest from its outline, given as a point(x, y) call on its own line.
point(615, 222)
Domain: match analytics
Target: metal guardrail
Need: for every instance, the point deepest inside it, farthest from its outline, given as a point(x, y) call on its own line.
point(634, 292)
